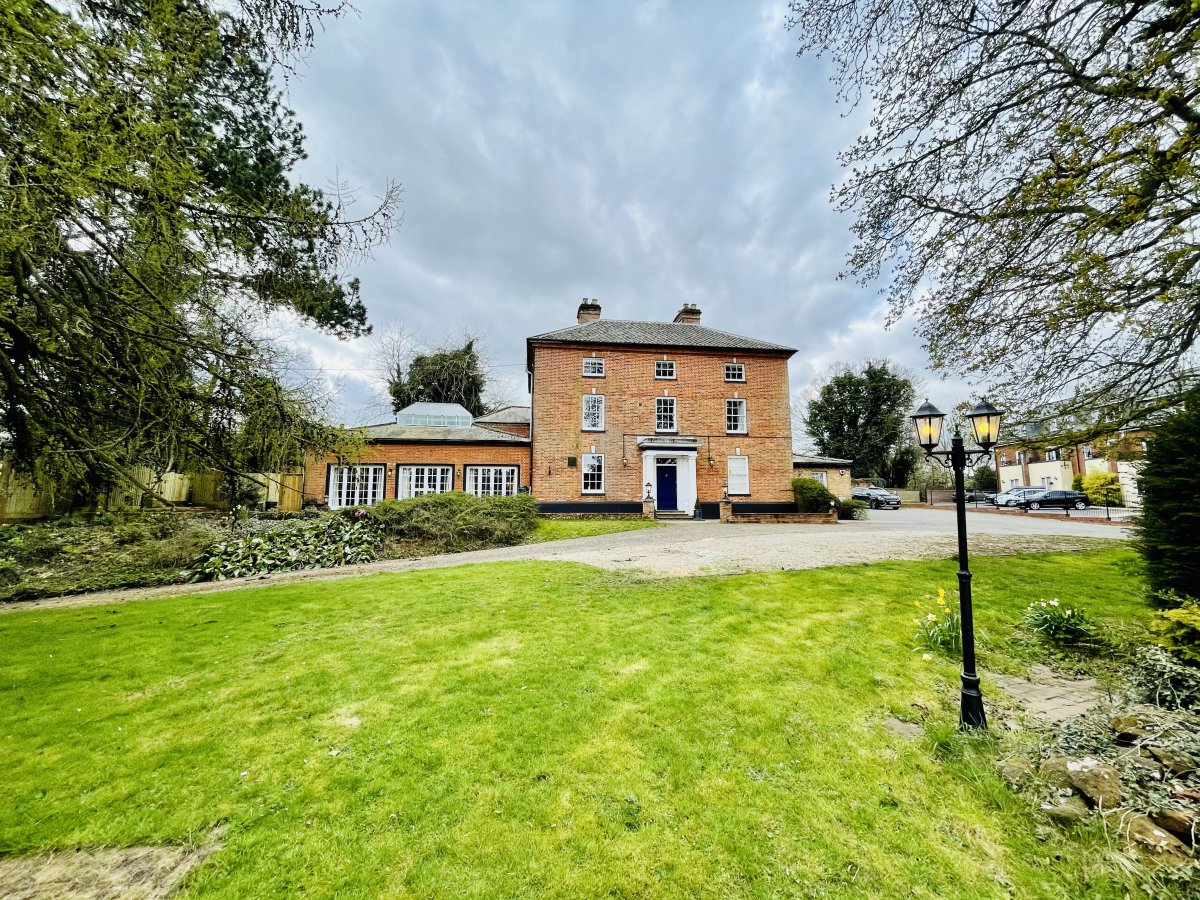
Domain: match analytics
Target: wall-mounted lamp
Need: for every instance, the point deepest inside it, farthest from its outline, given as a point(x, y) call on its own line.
point(711, 461)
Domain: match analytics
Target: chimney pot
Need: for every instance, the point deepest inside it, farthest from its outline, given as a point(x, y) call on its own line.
point(589, 311)
point(689, 314)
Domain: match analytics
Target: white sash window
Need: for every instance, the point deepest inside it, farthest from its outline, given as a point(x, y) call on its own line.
point(417, 481)
point(355, 485)
point(593, 473)
point(735, 416)
point(490, 481)
point(739, 475)
point(593, 412)
point(664, 414)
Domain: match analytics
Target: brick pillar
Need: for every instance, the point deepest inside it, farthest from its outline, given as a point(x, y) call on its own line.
point(726, 510)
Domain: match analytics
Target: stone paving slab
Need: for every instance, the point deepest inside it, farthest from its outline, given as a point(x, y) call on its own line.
point(1049, 696)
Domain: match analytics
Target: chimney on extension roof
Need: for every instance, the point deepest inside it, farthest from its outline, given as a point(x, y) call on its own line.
point(589, 311)
point(689, 314)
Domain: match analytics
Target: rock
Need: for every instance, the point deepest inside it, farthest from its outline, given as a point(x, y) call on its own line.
point(1140, 832)
point(910, 730)
point(1176, 763)
point(1068, 810)
point(1053, 771)
point(1015, 772)
point(1097, 781)
point(1130, 727)
point(1179, 822)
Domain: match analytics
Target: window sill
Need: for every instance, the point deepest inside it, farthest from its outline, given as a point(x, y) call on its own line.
point(592, 493)
point(593, 430)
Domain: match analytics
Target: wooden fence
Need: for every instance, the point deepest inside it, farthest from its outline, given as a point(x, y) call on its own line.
point(20, 500)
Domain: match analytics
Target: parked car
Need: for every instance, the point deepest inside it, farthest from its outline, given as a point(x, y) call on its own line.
point(1056, 500)
point(974, 496)
point(876, 497)
point(1014, 496)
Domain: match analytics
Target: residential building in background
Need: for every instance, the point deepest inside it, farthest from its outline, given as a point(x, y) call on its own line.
point(1028, 463)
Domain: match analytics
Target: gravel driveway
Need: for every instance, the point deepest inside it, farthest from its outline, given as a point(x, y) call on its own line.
point(708, 548)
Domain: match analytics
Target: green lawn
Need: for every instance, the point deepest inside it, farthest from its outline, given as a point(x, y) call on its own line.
point(561, 529)
point(541, 730)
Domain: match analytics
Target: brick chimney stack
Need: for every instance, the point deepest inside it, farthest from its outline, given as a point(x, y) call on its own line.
point(589, 311)
point(689, 314)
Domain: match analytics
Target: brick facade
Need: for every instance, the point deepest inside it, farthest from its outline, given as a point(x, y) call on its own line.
point(630, 389)
point(837, 478)
point(425, 453)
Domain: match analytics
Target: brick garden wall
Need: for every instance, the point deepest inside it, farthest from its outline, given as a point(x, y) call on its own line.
point(629, 387)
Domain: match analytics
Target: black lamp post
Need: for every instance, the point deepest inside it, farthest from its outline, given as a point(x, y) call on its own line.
point(985, 423)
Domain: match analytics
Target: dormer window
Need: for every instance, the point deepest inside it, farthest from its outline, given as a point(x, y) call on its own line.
point(664, 368)
point(593, 367)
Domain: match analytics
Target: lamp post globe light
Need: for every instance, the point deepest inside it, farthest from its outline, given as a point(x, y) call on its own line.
point(985, 424)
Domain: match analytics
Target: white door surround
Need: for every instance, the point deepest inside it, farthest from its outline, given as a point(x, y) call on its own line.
point(685, 468)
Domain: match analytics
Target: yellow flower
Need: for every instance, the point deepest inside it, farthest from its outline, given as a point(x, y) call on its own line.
point(941, 602)
point(928, 657)
point(916, 621)
point(941, 593)
point(917, 603)
point(931, 617)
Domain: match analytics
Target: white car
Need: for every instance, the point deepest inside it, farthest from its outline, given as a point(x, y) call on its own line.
point(1014, 496)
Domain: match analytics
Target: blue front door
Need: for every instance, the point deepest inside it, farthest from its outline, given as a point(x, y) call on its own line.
point(668, 493)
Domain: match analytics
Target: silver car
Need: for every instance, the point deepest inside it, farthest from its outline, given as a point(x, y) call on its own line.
point(1014, 496)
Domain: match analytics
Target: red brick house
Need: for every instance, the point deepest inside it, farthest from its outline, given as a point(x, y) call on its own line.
point(619, 409)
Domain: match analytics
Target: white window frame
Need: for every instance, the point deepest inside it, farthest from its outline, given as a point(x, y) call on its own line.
point(742, 417)
point(660, 404)
point(738, 482)
point(735, 368)
point(596, 400)
point(596, 363)
point(423, 479)
point(492, 481)
point(818, 476)
point(586, 464)
point(665, 365)
point(359, 485)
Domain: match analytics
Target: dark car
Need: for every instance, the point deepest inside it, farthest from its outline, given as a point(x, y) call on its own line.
point(974, 496)
point(876, 497)
point(1056, 500)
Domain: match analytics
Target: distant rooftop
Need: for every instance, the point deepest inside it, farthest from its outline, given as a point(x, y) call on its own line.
point(507, 415)
point(437, 415)
point(801, 459)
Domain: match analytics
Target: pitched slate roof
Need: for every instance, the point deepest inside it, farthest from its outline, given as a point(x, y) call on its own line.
point(657, 334)
point(474, 434)
point(508, 415)
point(800, 459)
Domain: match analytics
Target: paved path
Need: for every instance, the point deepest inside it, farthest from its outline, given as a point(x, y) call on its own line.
point(1049, 696)
point(709, 548)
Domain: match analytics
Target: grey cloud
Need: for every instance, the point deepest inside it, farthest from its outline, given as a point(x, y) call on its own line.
point(645, 155)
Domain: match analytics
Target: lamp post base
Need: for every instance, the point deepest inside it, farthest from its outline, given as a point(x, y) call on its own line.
point(971, 715)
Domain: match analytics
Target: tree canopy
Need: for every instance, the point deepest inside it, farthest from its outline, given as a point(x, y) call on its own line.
point(1027, 184)
point(861, 413)
point(449, 375)
point(148, 222)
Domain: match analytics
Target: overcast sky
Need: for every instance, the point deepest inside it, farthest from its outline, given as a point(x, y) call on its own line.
point(644, 154)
